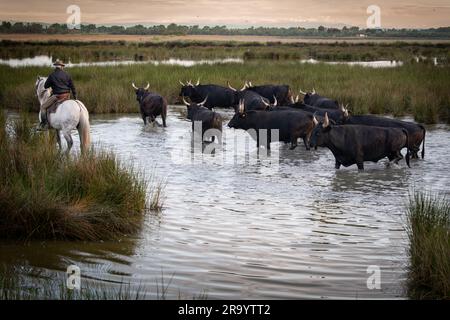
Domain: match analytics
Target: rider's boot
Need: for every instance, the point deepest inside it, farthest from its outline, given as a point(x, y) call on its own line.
point(43, 125)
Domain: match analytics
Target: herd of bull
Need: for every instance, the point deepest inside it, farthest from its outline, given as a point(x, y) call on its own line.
point(319, 121)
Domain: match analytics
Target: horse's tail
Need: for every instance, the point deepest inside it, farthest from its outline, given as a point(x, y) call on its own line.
point(84, 128)
point(423, 141)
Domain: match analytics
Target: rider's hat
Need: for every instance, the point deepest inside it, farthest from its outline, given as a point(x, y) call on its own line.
point(58, 63)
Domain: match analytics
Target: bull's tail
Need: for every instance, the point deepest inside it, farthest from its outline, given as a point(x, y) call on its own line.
point(423, 141)
point(408, 152)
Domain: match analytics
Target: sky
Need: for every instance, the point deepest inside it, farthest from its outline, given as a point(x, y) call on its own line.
point(234, 13)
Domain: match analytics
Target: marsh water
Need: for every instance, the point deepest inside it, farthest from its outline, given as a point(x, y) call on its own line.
point(245, 229)
point(46, 61)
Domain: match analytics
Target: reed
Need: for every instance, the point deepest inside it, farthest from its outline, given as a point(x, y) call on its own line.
point(46, 194)
point(420, 90)
point(428, 228)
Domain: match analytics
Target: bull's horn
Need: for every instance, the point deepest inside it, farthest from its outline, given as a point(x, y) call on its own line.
point(185, 102)
point(229, 86)
point(244, 87)
point(198, 82)
point(326, 121)
point(297, 98)
point(148, 86)
point(134, 86)
point(315, 120)
point(264, 101)
point(292, 100)
point(190, 83)
point(203, 102)
point(303, 93)
point(241, 106)
point(250, 84)
point(181, 83)
point(275, 102)
point(314, 91)
point(346, 111)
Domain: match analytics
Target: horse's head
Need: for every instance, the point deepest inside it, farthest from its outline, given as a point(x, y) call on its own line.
point(42, 93)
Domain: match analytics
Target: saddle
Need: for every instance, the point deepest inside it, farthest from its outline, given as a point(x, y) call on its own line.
point(52, 109)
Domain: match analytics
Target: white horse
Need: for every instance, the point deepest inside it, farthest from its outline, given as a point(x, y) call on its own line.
point(70, 115)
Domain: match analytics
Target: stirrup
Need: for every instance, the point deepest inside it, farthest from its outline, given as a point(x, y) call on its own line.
point(43, 127)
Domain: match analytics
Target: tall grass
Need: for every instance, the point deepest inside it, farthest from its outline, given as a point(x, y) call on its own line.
point(428, 227)
point(46, 194)
point(417, 89)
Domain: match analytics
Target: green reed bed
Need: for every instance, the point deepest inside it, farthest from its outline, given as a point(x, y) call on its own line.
point(189, 49)
point(46, 194)
point(417, 89)
point(428, 228)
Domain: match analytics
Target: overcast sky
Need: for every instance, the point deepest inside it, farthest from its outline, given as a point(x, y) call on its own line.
point(394, 13)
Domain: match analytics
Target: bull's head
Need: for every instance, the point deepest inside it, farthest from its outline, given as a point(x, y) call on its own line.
point(320, 131)
point(192, 107)
point(189, 90)
point(268, 105)
point(140, 92)
point(238, 120)
point(307, 95)
point(242, 89)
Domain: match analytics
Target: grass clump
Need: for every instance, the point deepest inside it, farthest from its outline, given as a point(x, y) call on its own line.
point(428, 228)
point(46, 194)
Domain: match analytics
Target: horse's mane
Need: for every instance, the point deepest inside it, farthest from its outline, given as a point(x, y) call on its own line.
point(42, 93)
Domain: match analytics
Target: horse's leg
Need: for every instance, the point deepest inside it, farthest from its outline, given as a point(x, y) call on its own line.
point(69, 140)
point(58, 139)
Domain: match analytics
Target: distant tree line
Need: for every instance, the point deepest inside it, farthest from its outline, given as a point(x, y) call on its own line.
point(174, 29)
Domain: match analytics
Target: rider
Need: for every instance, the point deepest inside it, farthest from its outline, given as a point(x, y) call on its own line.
point(61, 84)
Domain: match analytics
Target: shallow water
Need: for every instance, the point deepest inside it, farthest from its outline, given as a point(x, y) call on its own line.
point(47, 61)
point(232, 229)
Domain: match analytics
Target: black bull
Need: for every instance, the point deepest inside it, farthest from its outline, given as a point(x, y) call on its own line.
point(355, 144)
point(218, 96)
point(209, 119)
point(151, 105)
point(416, 132)
point(315, 100)
point(291, 125)
point(281, 92)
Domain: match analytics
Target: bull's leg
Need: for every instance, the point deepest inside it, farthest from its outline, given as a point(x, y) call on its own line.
point(306, 142)
point(144, 117)
point(163, 117)
point(293, 143)
point(337, 164)
point(58, 139)
point(360, 166)
point(398, 157)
